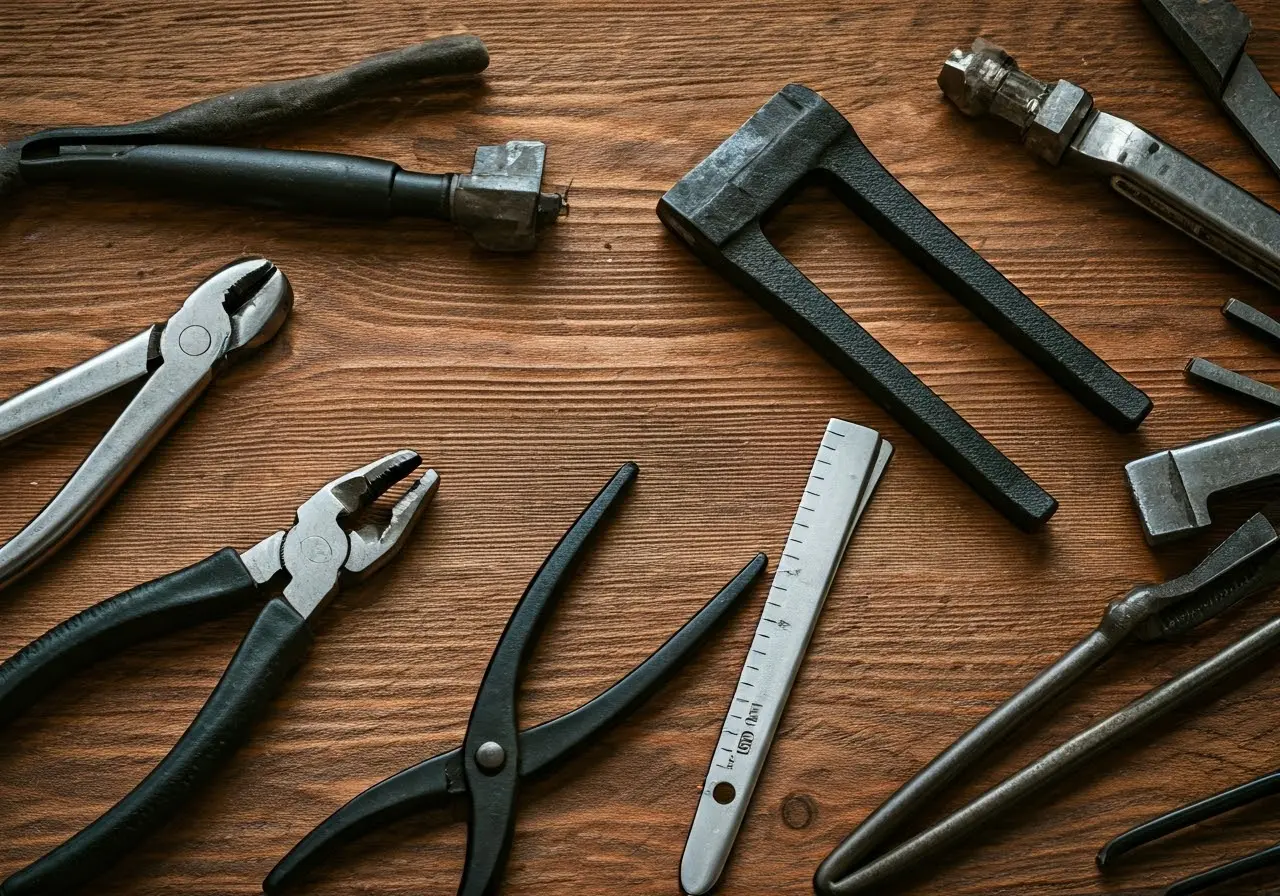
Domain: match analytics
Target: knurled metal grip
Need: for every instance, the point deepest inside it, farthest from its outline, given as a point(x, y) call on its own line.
point(718, 208)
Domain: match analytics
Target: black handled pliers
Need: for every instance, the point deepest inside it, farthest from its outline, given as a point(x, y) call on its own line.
point(495, 756)
point(310, 560)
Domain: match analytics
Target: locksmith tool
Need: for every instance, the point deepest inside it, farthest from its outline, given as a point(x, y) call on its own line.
point(851, 459)
point(1246, 563)
point(718, 209)
point(496, 756)
point(1194, 813)
point(310, 562)
point(1058, 123)
point(238, 308)
point(1212, 34)
point(500, 203)
point(1172, 488)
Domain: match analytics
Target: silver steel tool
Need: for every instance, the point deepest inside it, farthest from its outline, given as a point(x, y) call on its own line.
point(239, 308)
point(1058, 123)
point(1246, 563)
point(1172, 488)
point(850, 462)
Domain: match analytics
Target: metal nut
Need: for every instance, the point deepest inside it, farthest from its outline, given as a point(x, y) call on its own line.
point(1057, 120)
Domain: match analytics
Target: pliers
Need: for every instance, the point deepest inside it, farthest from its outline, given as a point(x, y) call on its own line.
point(495, 756)
point(310, 560)
point(238, 308)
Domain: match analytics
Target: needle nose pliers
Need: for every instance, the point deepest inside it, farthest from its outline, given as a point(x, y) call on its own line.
point(237, 309)
point(496, 755)
point(310, 560)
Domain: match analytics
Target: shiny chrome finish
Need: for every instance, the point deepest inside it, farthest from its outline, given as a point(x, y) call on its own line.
point(1059, 123)
point(182, 356)
point(318, 553)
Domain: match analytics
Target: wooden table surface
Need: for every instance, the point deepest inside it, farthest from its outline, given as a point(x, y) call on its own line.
point(525, 381)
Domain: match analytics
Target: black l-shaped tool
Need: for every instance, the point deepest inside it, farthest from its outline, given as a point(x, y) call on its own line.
point(718, 209)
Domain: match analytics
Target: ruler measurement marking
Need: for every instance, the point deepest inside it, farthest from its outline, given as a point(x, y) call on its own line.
point(812, 547)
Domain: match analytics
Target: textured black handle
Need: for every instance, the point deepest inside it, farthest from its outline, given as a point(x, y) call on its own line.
point(215, 586)
point(896, 214)
point(270, 652)
point(325, 182)
point(251, 109)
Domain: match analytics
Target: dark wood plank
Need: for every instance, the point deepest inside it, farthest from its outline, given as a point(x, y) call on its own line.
point(526, 381)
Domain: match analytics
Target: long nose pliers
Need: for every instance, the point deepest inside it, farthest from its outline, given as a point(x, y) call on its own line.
point(310, 561)
point(233, 311)
point(486, 771)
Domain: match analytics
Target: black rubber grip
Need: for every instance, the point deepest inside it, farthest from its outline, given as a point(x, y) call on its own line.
point(324, 182)
point(214, 587)
point(270, 652)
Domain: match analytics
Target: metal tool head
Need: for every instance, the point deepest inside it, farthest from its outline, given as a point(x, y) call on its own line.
point(254, 293)
point(320, 551)
point(986, 80)
point(501, 203)
point(1247, 562)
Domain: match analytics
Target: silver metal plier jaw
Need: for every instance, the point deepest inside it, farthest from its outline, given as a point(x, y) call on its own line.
point(1058, 122)
point(318, 553)
point(238, 308)
point(325, 548)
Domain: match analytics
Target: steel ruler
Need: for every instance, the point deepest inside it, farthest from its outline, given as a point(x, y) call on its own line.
point(845, 473)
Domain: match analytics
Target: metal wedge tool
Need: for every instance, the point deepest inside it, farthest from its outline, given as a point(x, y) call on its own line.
point(1247, 563)
point(234, 310)
point(1212, 35)
point(850, 462)
point(1058, 123)
point(307, 563)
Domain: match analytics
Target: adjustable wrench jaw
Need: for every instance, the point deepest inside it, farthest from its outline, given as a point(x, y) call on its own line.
point(320, 552)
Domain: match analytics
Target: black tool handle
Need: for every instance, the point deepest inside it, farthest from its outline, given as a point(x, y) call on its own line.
point(431, 784)
point(329, 183)
point(752, 262)
point(898, 216)
point(435, 782)
point(216, 586)
point(268, 655)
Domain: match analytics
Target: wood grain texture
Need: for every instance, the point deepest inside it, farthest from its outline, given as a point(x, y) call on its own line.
point(526, 381)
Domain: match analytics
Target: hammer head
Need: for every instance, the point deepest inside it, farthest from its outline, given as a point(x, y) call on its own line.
point(754, 170)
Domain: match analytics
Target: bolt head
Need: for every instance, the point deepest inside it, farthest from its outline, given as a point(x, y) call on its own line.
point(490, 756)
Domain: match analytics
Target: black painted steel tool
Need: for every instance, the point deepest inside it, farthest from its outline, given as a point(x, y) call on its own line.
point(1211, 35)
point(309, 562)
point(1192, 814)
point(718, 209)
point(500, 203)
point(1247, 563)
point(496, 756)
